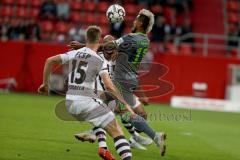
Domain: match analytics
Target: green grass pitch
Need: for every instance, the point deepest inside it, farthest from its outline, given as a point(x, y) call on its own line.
point(29, 130)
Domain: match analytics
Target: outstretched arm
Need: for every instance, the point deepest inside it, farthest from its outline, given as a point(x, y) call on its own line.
point(43, 89)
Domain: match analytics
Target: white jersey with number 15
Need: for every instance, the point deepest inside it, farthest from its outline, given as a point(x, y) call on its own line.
point(84, 67)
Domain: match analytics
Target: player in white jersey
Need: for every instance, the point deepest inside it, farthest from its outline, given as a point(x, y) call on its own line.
point(81, 101)
point(110, 64)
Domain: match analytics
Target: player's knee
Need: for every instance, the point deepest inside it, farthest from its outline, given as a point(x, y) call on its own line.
point(141, 112)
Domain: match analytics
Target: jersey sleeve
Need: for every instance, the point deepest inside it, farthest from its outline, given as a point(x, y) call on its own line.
point(66, 57)
point(103, 69)
point(121, 40)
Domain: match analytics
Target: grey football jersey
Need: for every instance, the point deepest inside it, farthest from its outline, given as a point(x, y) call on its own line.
point(131, 50)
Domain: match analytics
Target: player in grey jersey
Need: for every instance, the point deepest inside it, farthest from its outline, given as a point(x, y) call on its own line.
point(136, 140)
point(131, 49)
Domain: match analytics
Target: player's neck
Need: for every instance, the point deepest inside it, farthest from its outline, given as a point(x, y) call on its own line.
point(93, 47)
point(140, 31)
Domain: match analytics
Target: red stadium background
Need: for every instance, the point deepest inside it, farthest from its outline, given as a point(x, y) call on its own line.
point(197, 61)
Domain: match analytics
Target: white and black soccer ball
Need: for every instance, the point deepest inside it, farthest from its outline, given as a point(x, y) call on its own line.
point(115, 13)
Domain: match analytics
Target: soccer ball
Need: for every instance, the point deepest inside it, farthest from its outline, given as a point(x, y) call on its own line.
point(115, 13)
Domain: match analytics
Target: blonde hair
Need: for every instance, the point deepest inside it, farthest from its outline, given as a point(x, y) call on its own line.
point(150, 15)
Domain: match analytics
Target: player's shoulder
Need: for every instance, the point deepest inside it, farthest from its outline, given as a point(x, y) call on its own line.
point(90, 52)
point(86, 50)
point(136, 36)
point(101, 55)
point(128, 35)
point(142, 35)
point(143, 38)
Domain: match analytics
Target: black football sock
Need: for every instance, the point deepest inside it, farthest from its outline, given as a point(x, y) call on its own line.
point(101, 137)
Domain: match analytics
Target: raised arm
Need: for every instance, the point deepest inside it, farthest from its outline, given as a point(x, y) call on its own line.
point(43, 89)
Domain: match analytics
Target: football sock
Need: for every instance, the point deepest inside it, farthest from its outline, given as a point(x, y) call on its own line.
point(130, 128)
point(140, 124)
point(101, 137)
point(123, 148)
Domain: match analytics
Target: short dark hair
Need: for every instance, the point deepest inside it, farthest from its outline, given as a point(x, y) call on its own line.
point(93, 34)
point(144, 20)
point(108, 38)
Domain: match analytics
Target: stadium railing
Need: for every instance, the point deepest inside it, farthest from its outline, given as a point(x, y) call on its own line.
point(206, 42)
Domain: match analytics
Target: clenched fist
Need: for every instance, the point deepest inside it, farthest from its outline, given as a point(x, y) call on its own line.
point(43, 89)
